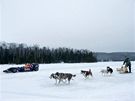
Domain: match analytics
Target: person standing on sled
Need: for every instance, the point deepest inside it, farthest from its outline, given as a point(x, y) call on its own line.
point(127, 63)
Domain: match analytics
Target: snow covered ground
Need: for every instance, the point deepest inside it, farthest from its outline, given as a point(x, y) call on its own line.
point(37, 86)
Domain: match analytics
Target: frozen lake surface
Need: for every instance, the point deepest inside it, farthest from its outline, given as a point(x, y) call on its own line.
point(37, 86)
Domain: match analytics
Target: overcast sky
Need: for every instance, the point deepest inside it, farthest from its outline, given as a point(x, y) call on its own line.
point(97, 25)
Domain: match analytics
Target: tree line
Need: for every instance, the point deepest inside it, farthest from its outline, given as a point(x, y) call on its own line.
point(11, 53)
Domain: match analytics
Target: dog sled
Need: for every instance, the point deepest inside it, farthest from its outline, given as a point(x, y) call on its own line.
point(122, 70)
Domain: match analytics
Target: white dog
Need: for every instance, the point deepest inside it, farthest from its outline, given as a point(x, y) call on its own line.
point(104, 71)
point(123, 69)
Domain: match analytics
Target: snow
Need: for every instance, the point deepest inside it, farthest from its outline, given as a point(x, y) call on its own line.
point(37, 86)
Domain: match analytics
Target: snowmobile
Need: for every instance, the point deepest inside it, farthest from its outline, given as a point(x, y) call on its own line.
point(26, 68)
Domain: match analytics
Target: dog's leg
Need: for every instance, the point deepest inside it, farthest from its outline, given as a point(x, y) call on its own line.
point(87, 77)
point(104, 74)
point(68, 81)
point(69, 78)
point(59, 81)
point(109, 74)
point(55, 81)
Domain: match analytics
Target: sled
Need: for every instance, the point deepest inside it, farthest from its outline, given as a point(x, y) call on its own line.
point(122, 70)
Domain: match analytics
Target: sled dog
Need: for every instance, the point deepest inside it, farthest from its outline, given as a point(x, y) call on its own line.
point(86, 73)
point(107, 71)
point(62, 76)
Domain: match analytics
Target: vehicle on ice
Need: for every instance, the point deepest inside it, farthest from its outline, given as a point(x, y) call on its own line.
point(26, 68)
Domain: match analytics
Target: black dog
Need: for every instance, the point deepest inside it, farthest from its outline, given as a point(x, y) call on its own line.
point(109, 70)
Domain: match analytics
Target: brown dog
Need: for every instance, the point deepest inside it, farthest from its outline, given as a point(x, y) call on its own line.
point(86, 73)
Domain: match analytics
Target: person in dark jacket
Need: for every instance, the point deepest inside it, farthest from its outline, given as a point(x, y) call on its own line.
point(127, 63)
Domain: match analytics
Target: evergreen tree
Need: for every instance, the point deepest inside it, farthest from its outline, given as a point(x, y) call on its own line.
point(21, 53)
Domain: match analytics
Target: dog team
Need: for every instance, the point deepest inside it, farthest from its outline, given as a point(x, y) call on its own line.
point(67, 77)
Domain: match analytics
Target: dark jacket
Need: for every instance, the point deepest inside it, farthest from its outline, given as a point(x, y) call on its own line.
point(127, 62)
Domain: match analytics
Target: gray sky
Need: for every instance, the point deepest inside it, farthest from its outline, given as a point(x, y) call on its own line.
point(97, 25)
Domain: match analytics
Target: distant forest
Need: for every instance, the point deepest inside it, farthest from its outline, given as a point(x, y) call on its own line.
point(21, 53)
point(115, 56)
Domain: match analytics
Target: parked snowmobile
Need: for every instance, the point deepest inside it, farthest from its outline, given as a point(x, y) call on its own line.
point(26, 68)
